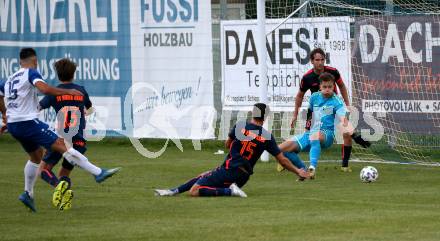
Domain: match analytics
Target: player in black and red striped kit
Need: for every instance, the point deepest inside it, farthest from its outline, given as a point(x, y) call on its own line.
point(310, 81)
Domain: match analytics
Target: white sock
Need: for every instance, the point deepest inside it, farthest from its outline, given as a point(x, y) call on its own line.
point(76, 158)
point(30, 176)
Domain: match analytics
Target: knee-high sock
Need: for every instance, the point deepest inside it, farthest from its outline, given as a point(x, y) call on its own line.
point(205, 191)
point(30, 176)
point(315, 152)
point(49, 177)
point(186, 186)
point(295, 160)
point(346, 153)
point(76, 158)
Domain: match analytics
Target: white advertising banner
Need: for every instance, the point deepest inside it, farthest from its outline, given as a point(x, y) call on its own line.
point(288, 48)
point(172, 70)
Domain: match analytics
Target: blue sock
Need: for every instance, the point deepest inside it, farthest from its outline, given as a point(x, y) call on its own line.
point(212, 191)
point(315, 152)
point(49, 177)
point(295, 160)
point(186, 186)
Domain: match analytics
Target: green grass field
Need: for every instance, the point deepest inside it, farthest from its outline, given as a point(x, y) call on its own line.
point(402, 205)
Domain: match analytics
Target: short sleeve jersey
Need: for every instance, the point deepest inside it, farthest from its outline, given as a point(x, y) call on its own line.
point(249, 141)
point(310, 80)
point(20, 94)
point(326, 110)
point(72, 108)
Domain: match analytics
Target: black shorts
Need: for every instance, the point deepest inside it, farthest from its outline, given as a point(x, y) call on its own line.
point(223, 178)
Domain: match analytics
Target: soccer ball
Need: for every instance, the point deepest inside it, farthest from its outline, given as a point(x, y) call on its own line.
point(369, 174)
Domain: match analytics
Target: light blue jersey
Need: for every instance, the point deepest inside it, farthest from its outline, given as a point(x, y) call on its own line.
point(326, 111)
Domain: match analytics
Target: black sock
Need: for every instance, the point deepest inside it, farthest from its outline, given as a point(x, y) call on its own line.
point(212, 191)
point(67, 179)
point(346, 153)
point(359, 140)
point(186, 186)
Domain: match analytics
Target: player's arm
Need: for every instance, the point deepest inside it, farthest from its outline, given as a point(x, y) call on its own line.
point(228, 143)
point(44, 103)
point(344, 91)
point(344, 124)
point(298, 102)
point(49, 90)
point(289, 166)
point(88, 103)
point(231, 137)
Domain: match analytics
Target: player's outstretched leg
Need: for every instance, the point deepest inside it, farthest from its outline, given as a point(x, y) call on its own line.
point(106, 173)
point(180, 189)
point(209, 191)
point(76, 158)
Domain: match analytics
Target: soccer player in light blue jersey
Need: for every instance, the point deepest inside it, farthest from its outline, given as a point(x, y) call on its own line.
point(328, 111)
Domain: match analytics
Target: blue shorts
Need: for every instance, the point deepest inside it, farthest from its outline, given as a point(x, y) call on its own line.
point(32, 134)
point(223, 178)
point(304, 143)
point(53, 157)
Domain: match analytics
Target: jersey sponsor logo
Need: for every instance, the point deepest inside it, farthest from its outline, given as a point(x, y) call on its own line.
point(78, 98)
point(253, 135)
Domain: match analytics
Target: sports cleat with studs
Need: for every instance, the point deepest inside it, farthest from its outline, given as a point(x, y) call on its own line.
point(57, 195)
point(66, 202)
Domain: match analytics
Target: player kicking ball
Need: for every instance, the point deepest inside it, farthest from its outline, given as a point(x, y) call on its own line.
point(21, 110)
point(71, 112)
point(328, 111)
point(246, 142)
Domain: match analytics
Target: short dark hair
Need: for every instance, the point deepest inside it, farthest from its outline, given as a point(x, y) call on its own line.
point(325, 77)
point(65, 69)
point(27, 52)
point(260, 111)
point(316, 51)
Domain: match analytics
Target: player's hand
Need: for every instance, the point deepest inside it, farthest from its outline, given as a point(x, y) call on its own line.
point(293, 122)
point(304, 174)
point(75, 92)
